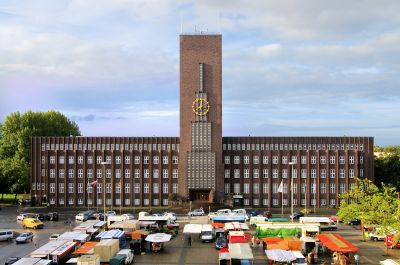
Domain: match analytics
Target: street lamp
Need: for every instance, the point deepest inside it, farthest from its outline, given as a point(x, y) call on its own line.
point(291, 187)
point(104, 187)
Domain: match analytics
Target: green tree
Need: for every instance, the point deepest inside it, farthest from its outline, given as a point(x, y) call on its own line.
point(387, 168)
point(15, 141)
point(372, 206)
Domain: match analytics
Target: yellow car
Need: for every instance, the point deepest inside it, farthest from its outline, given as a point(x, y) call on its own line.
point(306, 211)
point(32, 223)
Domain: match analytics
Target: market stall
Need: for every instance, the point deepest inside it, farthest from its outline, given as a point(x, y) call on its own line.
point(286, 243)
point(192, 228)
point(240, 251)
point(86, 248)
point(280, 255)
point(335, 242)
point(157, 240)
point(236, 226)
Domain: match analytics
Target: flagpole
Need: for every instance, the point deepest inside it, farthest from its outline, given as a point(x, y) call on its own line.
point(282, 202)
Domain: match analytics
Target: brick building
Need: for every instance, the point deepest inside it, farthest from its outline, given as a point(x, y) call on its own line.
point(200, 165)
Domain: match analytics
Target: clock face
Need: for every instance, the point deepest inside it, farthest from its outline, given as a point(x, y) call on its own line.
point(200, 106)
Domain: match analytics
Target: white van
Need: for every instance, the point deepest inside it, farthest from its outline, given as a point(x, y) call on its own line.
point(207, 234)
point(300, 259)
point(6, 235)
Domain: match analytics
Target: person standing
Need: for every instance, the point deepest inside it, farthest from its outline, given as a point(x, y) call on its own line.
point(190, 241)
point(357, 259)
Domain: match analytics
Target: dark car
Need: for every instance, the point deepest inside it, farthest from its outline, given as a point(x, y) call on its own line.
point(39, 216)
point(296, 215)
point(52, 216)
point(354, 222)
point(254, 213)
point(11, 260)
point(221, 242)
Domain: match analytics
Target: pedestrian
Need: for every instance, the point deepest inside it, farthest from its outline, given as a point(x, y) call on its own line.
point(357, 259)
point(190, 241)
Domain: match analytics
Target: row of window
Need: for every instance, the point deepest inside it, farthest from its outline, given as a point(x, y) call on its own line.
point(117, 173)
point(127, 188)
point(284, 173)
point(284, 188)
point(99, 160)
point(285, 202)
point(121, 147)
point(290, 147)
point(127, 202)
point(284, 159)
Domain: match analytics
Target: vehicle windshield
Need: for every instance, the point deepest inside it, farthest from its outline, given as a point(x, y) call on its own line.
point(206, 233)
point(300, 260)
point(36, 221)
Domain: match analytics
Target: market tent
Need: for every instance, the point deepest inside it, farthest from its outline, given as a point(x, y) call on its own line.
point(158, 238)
point(218, 225)
point(287, 243)
point(240, 251)
point(236, 226)
point(280, 255)
point(86, 248)
point(336, 242)
point(47, 248)
point(262, 231)
point(74, 236)
point(192, 229)
point(389, 262)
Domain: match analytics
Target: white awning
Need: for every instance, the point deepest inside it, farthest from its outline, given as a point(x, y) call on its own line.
point(192, 229)
point(280, 255)
point(240, 251)
point(158, 238)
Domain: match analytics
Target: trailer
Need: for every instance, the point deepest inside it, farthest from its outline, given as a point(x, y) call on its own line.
point(74, 236)
point(106, 249)
point(32, 261)
point(54, 250)
point(326, 224)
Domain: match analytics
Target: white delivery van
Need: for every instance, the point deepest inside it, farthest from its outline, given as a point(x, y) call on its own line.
point(300, 259)
point(6, 235)
point(207, 234)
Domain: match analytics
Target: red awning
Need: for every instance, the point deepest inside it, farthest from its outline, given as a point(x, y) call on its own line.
point(336, 242)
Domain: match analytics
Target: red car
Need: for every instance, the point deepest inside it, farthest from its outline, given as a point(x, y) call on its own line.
point(389, 242)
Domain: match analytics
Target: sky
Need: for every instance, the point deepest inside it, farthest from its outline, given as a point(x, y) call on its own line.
point(290, 67)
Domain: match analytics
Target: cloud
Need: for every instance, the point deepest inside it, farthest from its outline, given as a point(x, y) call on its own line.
point(268, 50)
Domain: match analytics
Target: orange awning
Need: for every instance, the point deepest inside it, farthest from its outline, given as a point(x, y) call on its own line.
point(336, 242)
point(85, 248)
point(218, 225)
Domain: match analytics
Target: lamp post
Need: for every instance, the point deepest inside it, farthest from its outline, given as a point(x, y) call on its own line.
point(104, 188)
point(291, 188)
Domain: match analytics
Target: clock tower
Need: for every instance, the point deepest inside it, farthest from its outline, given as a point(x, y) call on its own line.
point(200, 162)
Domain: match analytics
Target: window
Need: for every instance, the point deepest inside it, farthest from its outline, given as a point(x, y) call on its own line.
point(303, 173)
point(118, 173)
point(333, 202)
point(294, 159)
point(342, 188)
point(155, 173)
point(351, 160)
point(295, 188)
point(303, 160)
point(256, 173)
point(275, 160)
point(165, 202)
point(265, 160)
point(313, 159)
point(70, 160)
point(108, 187)
point(98, 159)
point(227, 160)
point(236, 173)
point(175, 173)
point(313, 173)
point(351, 173)
point(90, 160)
point(146, 173)
point(175, 160)
point(341, 173)
point(275, 187)
point(70, 173)
point(136, 173)
point(284, 173)
point(174, 188)
point(146, 160)
point(284, 160)
point(265, 173)
point(108, 159)
point(332, 173)
point(52, 159)
point(323, 202)
point(52, 173)
point(332, 188)
point(165, 160)
point(146, 188)
point(275, 173)
point(43, 172)
point(136, 188)
point(80, 187)
point(52, 187)
point(361, 172)
point(285, 188)
point(323, 173)
point(361, 159)
point(246, 160)
point(256, 160)
point(80, 173)
point(303, 187)
point(155, 160)
point(61, 187)
point(275, 202)
point(127, 173)
point(322, 160)
point(165, 173)
point(265, 188)
point(156, 188)
point(246, 188)
point(236, 188)
point(227, 173)
point(108, 173)
point(99, 188)
point(323, 188)
point(227, 188)
point(246, 201)
point(246, 173)
point(61, 159)
point(332, 160)
point(236, 160)
point(137, 160)
point(127, 160)
point(341, 159)
point(99, 173)
point(256, 201)
point(165, 188)
point(70, 187)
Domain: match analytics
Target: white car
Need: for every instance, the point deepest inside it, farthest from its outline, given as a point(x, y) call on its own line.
point(22, 216)
point(128, 216)
point(54, 237)
point(196, 212)
point(111, 213)
point(172, 216)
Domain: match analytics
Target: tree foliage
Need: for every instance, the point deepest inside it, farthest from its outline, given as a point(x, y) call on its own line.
point(15, 141)
point(387, 167)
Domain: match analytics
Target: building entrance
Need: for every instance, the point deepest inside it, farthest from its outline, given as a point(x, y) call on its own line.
point(200, 195)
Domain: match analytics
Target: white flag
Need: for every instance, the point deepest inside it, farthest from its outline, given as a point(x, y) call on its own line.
point(280, 188)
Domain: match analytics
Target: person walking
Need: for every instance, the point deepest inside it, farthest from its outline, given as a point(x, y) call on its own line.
point(357, 259)
point(190, 241)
